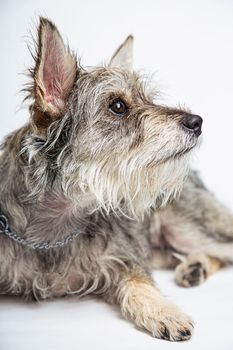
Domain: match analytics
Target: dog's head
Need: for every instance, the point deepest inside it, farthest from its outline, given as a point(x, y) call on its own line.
point(102, 130)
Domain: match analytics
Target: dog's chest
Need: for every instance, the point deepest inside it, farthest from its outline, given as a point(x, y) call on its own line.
point(160, 233)
point(169, 230)
point(53, 218)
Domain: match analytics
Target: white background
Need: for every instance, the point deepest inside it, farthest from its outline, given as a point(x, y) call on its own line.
point(189, 45)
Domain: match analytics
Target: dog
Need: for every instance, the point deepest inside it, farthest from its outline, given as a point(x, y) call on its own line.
point(96, 191)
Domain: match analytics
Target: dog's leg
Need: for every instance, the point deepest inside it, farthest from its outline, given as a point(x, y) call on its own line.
point(195, 269)
point(201, 229)
point(141, 302)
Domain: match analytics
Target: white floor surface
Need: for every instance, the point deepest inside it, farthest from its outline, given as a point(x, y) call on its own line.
point(91, 324)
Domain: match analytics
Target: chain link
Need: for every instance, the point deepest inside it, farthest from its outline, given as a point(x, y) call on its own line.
point(4, 228)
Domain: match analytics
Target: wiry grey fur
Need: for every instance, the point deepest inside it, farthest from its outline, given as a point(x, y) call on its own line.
point(76, 167)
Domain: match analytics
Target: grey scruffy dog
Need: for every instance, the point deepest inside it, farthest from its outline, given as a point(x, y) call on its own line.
point(90, 184)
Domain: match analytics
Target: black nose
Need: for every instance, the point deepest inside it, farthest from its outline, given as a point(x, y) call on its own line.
point(193, 123)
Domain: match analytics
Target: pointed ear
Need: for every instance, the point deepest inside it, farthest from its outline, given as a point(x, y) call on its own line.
point(54, 73)
point(123, 57)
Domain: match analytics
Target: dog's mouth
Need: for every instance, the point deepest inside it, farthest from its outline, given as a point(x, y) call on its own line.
point(178, 155)
point(183, 152)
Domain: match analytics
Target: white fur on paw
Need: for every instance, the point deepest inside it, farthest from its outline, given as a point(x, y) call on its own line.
point(148, 309)
point(170, 323)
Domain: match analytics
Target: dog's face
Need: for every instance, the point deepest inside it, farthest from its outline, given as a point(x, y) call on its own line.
point(117, 143)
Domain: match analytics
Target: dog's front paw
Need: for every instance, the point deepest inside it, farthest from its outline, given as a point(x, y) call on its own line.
point(172, 324)
point(164, 321)
point(192, 272)
point(148, 309)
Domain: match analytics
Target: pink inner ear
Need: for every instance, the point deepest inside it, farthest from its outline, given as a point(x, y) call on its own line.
point(53, 66)
point(58, 69)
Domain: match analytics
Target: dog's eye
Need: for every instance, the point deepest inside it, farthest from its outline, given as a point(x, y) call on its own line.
point(118, 107)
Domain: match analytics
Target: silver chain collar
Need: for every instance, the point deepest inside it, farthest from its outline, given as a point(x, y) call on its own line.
point(4, 228)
